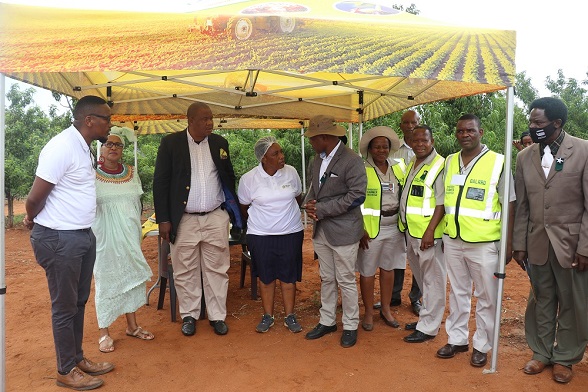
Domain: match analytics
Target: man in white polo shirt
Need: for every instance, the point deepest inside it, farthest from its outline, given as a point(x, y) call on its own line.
point(60, 209)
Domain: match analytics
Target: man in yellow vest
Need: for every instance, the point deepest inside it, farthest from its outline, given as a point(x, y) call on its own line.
point(421, 219)
point(474, 200)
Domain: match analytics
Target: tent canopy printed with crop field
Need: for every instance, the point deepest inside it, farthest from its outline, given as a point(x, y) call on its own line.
point(295, 59)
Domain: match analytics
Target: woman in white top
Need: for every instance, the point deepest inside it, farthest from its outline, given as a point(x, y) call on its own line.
point(269, 196)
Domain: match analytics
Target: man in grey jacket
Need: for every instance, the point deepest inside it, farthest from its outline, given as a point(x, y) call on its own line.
point(337, 191)
point(550, 239)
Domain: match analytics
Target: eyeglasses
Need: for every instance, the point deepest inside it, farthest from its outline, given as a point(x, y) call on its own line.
point(116, 145)
point(106, 118)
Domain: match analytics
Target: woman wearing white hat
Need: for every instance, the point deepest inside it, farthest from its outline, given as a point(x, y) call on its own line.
point(382, 245)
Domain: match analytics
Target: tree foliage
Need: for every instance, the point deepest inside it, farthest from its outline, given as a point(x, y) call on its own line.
point(574, 95)
point(28, 128)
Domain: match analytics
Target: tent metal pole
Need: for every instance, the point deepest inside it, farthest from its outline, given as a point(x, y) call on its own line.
point(504, 229)
point(2, 238)
point(303, 169)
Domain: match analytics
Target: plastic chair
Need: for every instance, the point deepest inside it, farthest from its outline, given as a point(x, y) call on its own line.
point(246, 259)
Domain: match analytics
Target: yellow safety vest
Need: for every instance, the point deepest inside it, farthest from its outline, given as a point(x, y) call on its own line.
point(419, 209)
point(372, 206)
point(473, 210)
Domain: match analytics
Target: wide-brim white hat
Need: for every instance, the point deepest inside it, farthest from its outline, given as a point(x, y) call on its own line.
point(373, 133)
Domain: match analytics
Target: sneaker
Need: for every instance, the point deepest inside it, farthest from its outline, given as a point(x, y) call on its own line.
point(78, 380)
point(292, 324)
point(267, 321)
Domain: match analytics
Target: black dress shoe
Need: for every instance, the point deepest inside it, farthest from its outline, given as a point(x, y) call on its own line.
point(188, 326)
point(411, 326)
point(478, 358)
point(449, 350)
point(220, 327)
point(320, 330)
point(418, 337)
point(349, 338)
point(395, 302)
point(416, 307)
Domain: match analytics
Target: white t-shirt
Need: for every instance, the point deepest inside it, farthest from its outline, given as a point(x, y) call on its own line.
point(273, 209)
point(66, 162)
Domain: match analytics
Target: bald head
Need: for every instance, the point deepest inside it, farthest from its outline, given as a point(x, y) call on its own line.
point(200, 122)
point(408, 121)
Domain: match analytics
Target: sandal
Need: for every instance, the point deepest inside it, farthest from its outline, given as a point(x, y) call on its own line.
point(141, 334)
point(106, 344)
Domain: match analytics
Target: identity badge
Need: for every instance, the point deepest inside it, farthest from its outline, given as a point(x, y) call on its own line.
point(458, 179)
point(475, 194)
point(386, 186)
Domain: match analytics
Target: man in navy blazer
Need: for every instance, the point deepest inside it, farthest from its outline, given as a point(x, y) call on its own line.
point(194, 198)
point(337, 191)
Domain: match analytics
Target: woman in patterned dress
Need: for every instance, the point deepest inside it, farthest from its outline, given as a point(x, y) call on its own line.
point(120, 271)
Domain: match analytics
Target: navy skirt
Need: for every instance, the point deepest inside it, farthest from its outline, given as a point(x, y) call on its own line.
point(277, 256)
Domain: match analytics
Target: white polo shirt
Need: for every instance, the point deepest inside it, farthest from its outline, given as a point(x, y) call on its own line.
point(273, 209)
point(66, 162)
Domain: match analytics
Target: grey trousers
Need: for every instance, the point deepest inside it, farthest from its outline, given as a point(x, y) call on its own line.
point(68, 259)
point(557, 312)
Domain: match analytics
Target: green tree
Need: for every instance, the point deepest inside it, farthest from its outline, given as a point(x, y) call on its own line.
point(27, 131)
point(524, 90)
point(147, 146)
point(574, 95)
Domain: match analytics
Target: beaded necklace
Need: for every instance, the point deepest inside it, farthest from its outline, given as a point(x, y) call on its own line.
point(123, 174)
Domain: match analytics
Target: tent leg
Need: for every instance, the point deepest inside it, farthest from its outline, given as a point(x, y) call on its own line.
point(2, 239)
point(504, 229)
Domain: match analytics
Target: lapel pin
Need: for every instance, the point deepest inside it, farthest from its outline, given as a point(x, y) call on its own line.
point(559, 164)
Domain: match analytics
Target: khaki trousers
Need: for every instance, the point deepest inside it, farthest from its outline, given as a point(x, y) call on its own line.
point(201, 259)
point(469, 263)
point(337, 268)
point(428, 268)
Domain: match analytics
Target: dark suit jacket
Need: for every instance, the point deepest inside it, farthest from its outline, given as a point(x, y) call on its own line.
point(553, 209)
point(340, 196)
point(171, 179)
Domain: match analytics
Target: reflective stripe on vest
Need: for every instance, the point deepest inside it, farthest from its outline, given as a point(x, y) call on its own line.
point(372, 206)
point(399, 170)
point(419, 210)
point(468, 217)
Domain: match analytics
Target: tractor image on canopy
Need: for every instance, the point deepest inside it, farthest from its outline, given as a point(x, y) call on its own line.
point(270, 17)
point(242, 27)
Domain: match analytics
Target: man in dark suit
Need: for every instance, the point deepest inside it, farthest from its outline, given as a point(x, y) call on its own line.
point(551, 230)
point(337, 191)
point(194, 197)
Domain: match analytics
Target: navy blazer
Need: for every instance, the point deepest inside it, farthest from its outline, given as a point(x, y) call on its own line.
point(172, 178)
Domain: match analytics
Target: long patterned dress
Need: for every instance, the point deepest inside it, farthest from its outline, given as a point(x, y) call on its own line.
point(120, 271)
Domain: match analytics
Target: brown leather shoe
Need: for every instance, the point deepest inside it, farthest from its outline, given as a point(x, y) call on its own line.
point(478, 358)
point(562, 373)
point(93, 368)
point(449, 350)
point(534, 367)
point(78, 380)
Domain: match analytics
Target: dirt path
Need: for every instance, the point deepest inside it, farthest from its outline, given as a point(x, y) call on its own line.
point(245, 360)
